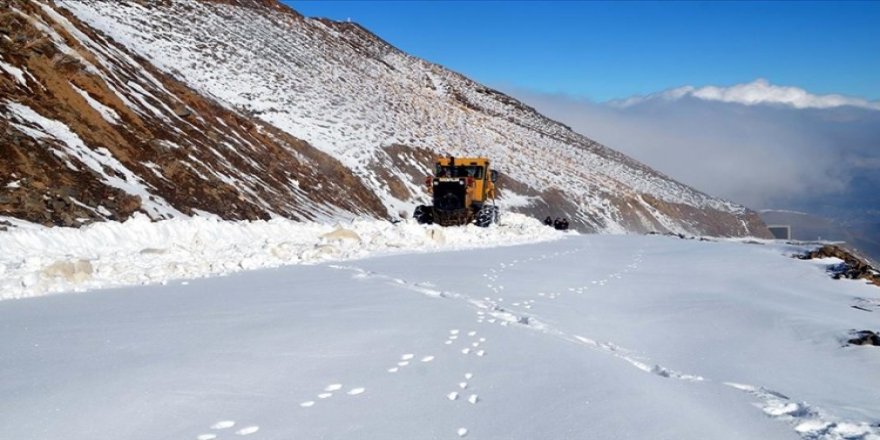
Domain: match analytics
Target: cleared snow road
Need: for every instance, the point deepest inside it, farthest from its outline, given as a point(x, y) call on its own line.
point(586, 337)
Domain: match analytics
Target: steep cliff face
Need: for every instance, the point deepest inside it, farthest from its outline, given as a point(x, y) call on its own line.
point(90, 132)
point(241, 91)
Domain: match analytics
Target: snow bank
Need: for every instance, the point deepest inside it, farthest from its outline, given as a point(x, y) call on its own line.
point(40, 261)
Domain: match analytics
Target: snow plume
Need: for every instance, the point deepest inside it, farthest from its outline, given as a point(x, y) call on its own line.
point(37, 261)
point(757, 92)
point(763, 156)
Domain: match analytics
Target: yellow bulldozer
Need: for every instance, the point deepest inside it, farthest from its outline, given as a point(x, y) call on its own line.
point(462, 191)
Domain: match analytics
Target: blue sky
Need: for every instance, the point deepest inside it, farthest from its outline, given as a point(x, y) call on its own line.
point(604, 51)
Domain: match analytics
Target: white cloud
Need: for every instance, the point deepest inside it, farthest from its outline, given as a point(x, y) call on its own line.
point(757, 92)
point(823, 160)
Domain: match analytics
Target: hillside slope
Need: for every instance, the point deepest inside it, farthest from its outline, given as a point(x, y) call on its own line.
point(298, 82)
point(90, 132)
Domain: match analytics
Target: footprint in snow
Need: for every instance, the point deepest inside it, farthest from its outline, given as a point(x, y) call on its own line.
point(356, 391)
point(223, 424)
point(427, 358)
point(248, 430)
point(462, 432)
point(226, 424)
point(333, 387)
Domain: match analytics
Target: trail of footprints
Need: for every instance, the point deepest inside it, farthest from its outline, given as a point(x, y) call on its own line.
point(472, 345)
point(805, 420)
point(493, 275)
point(406, 359)
point(329, 391)
point(224, 426)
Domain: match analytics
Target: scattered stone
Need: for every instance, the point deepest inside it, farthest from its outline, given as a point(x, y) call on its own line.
point(41, 46)
point(865, 337)
point(66, 62)
point(852, 268)
point(182, 111)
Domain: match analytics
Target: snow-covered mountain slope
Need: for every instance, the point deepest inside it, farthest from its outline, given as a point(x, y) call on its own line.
point(89, 131)
point(592, 336)
point(384, 113)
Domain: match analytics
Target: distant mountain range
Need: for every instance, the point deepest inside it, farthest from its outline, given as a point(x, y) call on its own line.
point(245, 109)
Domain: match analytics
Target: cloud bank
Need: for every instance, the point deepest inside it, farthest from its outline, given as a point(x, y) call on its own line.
point(757, 92)
point(758, 144)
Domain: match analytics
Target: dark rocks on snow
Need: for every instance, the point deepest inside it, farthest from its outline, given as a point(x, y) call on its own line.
point(865, 337)
point(852, 268)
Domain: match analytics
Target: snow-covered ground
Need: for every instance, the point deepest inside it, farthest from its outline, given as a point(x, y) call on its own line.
point(590, 336)
point(37, 260)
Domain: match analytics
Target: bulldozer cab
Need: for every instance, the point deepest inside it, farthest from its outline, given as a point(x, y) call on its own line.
point(475, 170)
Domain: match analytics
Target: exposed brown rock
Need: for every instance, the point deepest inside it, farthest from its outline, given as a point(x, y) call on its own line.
point(853, 267)
point(42, 46)
point(186, 155)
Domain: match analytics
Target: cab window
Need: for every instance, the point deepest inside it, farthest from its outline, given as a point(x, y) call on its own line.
point(460, 171)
